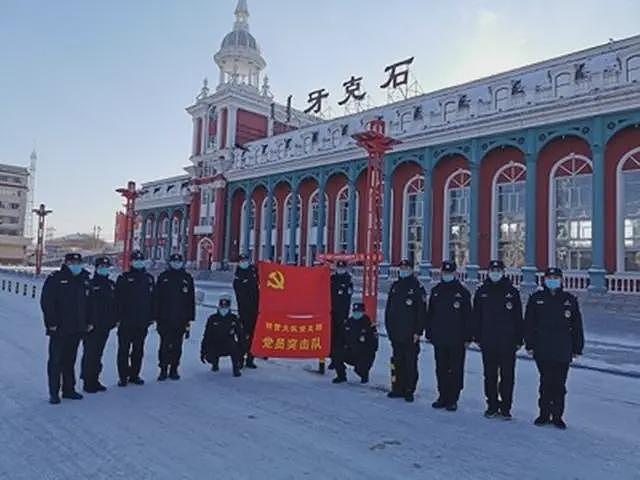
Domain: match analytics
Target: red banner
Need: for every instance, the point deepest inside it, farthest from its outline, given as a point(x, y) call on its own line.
point(294, 319)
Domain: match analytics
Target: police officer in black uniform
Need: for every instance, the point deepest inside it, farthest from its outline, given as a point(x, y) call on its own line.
point(359, 346)
point(245, 286)
point(222, 337)
point(103, 317)
point(341, 292)
point(175, 310)
point(449, 328)
point(65, 307)
point(554, 336)
point(135, 303)
point(404, 320)
point(498, 331)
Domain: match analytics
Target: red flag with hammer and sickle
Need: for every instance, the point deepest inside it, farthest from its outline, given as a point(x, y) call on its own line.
point(294, 319)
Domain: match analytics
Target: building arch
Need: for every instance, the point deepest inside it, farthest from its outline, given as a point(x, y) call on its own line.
point(457, 196)
point(571, 213)
point(508, 214)
point(263, 228)
point(313, 212)
point(204, 254)
point(249, 249)
point(413, 219)
point(628, 212)
point(341, 221)
point(287, 212)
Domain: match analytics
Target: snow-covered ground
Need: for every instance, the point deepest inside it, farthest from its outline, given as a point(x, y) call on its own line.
point(283, 422)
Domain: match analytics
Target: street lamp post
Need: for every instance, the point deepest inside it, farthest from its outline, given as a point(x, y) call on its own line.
point(41, 212)
point(376, 143)
point(130, 194)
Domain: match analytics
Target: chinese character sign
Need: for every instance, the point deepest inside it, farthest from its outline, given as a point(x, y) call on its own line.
point(294, 319)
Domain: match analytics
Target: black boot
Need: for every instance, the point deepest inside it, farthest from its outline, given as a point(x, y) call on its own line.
point(73, 395)
point(173, 374)
point(250, 362)
point(215, 365)
point(123, 382)
point(491, 412)
point(543, 419)
point(364, 378)
point(339, 379)
point(136, 380)
point(54, 399)
point(439, 404)
point(393, 394)
point(236, 372)
point(409, 398)
point(559, 423)
point(163, 374)
point(100, 387)
point(90, 387)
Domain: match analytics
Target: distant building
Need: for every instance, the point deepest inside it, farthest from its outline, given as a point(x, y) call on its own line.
point(14, 191)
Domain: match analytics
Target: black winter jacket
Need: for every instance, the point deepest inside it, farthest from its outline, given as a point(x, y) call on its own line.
point(134, 299)
point(175, 304)
point(553, 326)
point(102, 303)
point(449, 320)
point(65, 302)
point(405, 313)
point(498, 325)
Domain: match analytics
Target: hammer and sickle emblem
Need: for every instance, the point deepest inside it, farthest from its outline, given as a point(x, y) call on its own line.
point(275, 280)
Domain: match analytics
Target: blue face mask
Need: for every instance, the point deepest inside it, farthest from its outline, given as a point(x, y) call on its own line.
point(340, 271)
point(244, 265)
point(223, 311)
point(358, 315)
point(176, 265)
point(405, 273)
point(553, 283)
point(75, 269)
point(448, 277)
point(103, 271)
point(495, 276)
point(138, 264)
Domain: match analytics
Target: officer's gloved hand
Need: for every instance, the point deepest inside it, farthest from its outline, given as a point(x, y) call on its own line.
point(187, 331)
point(52, 330)
point(203, 358)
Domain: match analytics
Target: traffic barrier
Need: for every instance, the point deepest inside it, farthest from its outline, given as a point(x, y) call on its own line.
point(25, 286)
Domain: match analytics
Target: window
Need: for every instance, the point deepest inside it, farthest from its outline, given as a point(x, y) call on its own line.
point(263, 228)
point(633, 69)
point(164, 228)
point(563, 85)
point(509, 215)
point(312, 227)
point(288, 208)
point(207, 206)
point(149, 227)
point(413, 220)
point(630, 195)
point(341, 235)
point(457, 194)
point(15, 206)
point(502, 98)
point(571, 196)
point(251, 211)
point(175, 227)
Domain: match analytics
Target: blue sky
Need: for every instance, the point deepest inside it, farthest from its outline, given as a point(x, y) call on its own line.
point(100, 87)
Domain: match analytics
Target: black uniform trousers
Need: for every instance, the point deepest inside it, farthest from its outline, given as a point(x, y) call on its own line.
point(233, 351)
point(170, 350)
point(63, 350)
point(405, 364)
point(553, 379)
point(130, 351)
point(93, 347)
point(249, 330)
point(499, 374)
point(449, 372)
point(362, 361)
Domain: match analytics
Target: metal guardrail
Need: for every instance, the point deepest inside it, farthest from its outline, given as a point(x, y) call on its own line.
point(20, 285)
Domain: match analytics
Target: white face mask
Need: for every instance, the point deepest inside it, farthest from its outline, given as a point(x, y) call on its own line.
point(495, 276)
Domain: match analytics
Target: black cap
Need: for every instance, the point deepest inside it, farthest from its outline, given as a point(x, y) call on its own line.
point(72, 257)
point(225, 301)
point(102, 262)
point(553, 272)
point(405, 263)
point(243, 256)
point(449, 266)
point(176, 257)
point(358, 307)
point(496, 265)
point(137, 255)
point(341, 264)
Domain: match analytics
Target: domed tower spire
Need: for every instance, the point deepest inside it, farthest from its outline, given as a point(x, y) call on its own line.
point(239, 57)
point(242, 16)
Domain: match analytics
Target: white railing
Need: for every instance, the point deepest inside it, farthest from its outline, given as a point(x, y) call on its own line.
point(576, 280)
point(623, 283)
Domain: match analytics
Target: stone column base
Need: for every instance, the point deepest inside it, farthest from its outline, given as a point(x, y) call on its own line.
point(597, 280)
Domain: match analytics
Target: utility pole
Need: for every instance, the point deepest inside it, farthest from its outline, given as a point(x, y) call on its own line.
point(41, 212)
